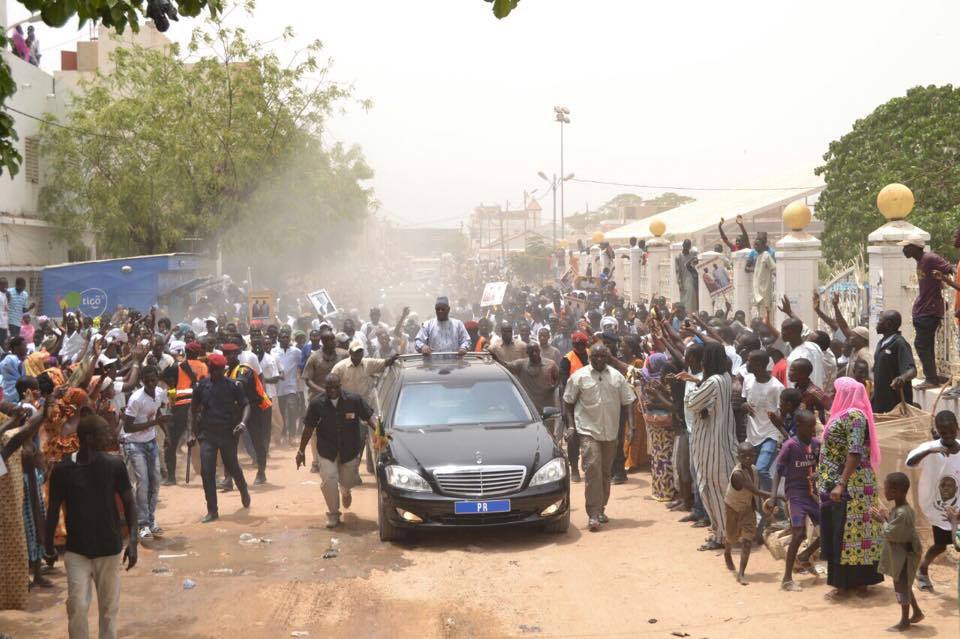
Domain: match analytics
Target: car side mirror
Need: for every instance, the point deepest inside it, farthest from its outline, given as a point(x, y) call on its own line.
point(549, 411)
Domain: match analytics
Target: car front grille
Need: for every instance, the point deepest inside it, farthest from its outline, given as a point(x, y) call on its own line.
point(480, 481)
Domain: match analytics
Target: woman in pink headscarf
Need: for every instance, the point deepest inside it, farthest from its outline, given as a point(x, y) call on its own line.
point(847, 483)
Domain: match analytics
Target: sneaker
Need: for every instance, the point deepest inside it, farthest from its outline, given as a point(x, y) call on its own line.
point(209, 517)
point(333, 520)
point(593, 524)
point(156, 530)
point(603, 519)
point(347, 499)
point(575, 476)
point(226, 486)
point(619, 479)
point(145, 533)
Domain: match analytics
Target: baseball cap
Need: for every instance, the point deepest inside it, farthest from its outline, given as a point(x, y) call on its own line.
point(215, 360)
point(914, 239)
point(356, 345)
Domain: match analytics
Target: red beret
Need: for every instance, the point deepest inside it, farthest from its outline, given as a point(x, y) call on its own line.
point(216, 360)
point(194, 348)
point(580, 338)
point(230, 347)
point(471, 324)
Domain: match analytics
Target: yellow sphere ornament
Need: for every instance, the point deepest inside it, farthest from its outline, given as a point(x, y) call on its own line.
point(797, 215)
point(895, 201)
point(597, 237)
point(657, 227)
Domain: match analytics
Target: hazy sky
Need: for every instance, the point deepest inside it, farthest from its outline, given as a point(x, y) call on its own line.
point(694, 93)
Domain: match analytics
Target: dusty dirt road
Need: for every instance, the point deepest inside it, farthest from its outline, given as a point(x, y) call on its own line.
point(640, 577)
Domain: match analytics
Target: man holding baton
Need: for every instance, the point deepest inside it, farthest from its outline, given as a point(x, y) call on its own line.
point(219, 411)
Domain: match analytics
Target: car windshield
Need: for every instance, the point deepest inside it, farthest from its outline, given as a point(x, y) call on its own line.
point(481, 402)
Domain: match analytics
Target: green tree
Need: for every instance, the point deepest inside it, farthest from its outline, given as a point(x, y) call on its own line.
point(533, 264)
point(113, 13)
point(502, 8)
point(670, 200)
point(161, 149)
point(913, 139)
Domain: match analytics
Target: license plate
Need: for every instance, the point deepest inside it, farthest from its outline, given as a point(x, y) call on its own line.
point(481, 507)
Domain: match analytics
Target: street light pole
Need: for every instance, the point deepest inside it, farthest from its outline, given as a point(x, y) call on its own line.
point(562, 115)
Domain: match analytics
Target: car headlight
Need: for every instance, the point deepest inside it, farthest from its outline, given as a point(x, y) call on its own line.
point(406, 479)
point(553, 470)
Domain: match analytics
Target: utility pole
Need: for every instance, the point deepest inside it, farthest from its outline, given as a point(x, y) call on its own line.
point(562, 115)
point(503, 247)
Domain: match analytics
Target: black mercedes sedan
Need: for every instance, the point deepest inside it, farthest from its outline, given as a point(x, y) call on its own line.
point(467, 449)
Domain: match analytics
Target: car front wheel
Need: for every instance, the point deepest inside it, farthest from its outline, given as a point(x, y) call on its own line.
point(389, 532)
point(559, 525)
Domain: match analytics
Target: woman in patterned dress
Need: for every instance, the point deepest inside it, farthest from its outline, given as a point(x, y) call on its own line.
point(714, 439)
point(657, 408)
point(847, 483)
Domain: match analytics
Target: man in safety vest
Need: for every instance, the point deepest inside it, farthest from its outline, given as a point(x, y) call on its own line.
point(252, 386)
point(189, 373)
point(570, 364)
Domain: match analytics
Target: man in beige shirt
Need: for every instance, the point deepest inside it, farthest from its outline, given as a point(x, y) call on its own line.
point(508, 348)
point(358, 375)
point(598, 399)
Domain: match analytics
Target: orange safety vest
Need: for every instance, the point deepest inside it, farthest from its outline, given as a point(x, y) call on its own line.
point(481, 342)
point(265, 402)
point(184, 391)
point(575, 363)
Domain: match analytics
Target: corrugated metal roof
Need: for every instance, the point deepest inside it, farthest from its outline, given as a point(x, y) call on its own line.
point(704, 213)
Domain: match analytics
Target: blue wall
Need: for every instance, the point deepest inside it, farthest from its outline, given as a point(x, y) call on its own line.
point(102, 285)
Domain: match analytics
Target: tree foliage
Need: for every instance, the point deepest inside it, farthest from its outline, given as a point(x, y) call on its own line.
point(113, 13)
point(534, 263)
point(502, 8)
point(162, 149)
point(913, 139)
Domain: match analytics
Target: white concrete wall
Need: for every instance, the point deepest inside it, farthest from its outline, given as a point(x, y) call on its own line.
point(35, 95)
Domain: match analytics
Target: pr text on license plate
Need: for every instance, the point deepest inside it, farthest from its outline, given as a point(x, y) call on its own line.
point(481, 507)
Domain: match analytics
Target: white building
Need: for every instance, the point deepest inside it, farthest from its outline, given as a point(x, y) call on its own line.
point(27, 242)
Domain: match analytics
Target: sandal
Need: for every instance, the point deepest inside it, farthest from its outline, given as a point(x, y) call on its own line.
point(713, 544)
point(791, 586)
point(925, 585)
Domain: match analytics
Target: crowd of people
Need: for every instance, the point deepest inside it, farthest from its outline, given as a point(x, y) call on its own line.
point(745, 427)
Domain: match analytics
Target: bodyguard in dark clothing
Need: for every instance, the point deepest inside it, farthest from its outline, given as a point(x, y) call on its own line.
point(335, 416)
point(893, 365)
point(219, 411)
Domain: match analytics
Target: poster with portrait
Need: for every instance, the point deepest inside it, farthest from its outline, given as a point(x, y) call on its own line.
point(260, 304)
point(716, 275)
point(493, 294)
point(322, 302)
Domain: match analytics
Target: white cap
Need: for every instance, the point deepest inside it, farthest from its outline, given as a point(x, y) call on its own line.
point(914, 239)
point(103, 360)
point(356, 345)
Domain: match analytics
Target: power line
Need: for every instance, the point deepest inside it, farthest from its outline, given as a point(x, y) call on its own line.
point(695, 188)
point(66, 127)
